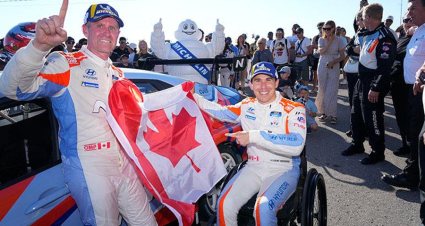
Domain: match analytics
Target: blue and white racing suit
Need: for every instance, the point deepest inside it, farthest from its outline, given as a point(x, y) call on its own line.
point(98, 174)
point(277, 134)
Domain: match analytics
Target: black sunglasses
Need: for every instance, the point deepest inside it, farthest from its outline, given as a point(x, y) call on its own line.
point(326, 28)
point(407, 20)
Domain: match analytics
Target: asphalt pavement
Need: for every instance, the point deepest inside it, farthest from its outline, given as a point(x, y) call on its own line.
point(356, 194)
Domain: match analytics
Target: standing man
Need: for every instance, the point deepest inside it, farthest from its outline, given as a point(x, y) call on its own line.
point(415, 57)
point(70, 44)
point(274, 134)
point(388, 23)
point(270, 39)
point(101, 180)
point(280, 49)
point(120, 50)
point(377, 54)
point(302, 50)
point(316, 54)
point(262, 54)
point(292, 39)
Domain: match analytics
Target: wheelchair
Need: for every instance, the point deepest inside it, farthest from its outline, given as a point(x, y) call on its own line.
point(306, 206)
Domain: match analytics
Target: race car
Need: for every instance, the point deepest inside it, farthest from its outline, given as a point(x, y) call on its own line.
point(32, 187)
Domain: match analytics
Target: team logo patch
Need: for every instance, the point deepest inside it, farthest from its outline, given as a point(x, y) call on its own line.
point(90, 72)
point(250, 117)
point(299, 125)
point(89, 84)
point(274, 123)
point(385, 55)
point(97, 146)
point(289, 108)
point(250, 110)
point(385, 48)
point(301, 119)
point(275, 114)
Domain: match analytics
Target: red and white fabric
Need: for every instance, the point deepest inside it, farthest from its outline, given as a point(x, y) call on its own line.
point(166, 136)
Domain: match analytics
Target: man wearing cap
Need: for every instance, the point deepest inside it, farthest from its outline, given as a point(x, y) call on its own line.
point(274, 131)
point(302, 50)
point(70, 44)
point(98, 174)
point(121, 49)
point(292, 39)
point(388, 23)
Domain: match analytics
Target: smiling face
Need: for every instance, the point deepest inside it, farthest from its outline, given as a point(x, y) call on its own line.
point(188, 30)
point(102, 36)
point(264, 88)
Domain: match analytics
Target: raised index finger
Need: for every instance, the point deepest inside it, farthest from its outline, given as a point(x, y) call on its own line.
point(62, 12)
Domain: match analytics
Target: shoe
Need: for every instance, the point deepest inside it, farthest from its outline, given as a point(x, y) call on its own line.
point(352, 150)
point(349, 133)
point(334, 120)
point(372, 159)
point(400, 180)
point(402, 151)
point(344, 82)
point(323, 118)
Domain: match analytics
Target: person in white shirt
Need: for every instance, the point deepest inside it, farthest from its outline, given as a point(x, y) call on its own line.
point(303, 48)
point(388, 22)
point(280, 49)
point(270, 39)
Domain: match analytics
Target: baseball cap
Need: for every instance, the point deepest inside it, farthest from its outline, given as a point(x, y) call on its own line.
point(97, 12)
point(263, 68)
point(133, 45)
point(285, 69)
point(124, 55)
point(70, 39)
point(296, 26)
point(390, 18)
point(303, 87)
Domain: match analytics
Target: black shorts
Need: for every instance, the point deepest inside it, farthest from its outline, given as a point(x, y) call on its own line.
point(316, 63)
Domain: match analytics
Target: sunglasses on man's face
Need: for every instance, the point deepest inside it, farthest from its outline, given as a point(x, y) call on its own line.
point(407, 20)
point(326, 28)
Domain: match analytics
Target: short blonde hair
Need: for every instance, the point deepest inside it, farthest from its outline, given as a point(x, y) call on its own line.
point(374, 10)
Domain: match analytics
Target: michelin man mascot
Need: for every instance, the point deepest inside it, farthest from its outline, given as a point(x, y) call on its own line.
point(188, 46)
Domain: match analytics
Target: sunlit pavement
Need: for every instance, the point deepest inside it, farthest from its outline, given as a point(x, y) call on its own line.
point(356, 193)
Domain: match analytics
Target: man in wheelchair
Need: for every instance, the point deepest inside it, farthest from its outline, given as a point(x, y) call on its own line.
point(274, 131)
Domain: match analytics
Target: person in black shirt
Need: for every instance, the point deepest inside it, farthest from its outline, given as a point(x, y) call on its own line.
point(399, 89)
point(120, 50)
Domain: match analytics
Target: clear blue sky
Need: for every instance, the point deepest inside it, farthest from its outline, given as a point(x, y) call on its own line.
point(250, 17)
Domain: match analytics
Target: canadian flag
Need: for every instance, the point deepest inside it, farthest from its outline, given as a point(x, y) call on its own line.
point(103, 145)
point(166, 136)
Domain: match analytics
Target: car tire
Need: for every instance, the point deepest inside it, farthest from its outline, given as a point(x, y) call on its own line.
point(208, 203)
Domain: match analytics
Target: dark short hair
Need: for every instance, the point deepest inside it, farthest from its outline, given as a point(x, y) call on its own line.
point(320, 24)
point(280, 29)
point(422, 2)
point(123, 38)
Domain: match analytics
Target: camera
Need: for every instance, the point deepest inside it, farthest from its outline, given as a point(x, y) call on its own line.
point(422, 77)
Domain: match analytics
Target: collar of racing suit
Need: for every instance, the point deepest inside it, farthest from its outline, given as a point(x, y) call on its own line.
point(269, 105)
point(99, 61)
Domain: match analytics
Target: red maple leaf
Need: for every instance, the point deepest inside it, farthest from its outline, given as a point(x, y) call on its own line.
point(173, 141)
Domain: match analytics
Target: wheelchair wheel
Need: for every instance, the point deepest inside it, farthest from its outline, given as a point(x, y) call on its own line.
point(314, 204)
point(208, 202)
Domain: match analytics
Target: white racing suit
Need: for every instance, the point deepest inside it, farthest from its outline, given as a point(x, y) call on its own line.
point(97, 172)
point(277, 134)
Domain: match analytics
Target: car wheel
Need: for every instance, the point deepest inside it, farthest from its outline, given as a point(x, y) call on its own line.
point(208, 202)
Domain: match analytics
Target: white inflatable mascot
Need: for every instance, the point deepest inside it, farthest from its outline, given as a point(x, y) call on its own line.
point(188, 46)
